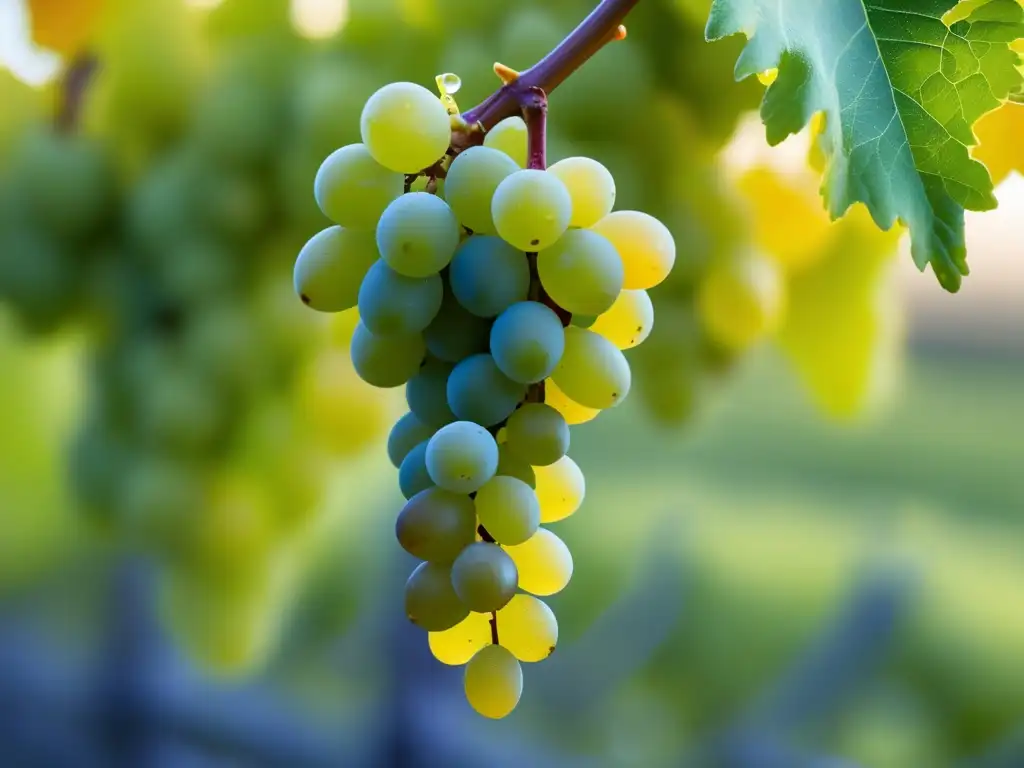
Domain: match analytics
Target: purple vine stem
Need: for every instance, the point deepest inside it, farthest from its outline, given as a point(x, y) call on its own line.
point(71, 96)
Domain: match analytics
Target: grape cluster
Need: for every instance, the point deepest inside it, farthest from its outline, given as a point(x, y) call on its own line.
point(466, 268)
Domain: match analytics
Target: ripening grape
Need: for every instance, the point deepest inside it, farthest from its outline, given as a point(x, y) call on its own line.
point(412, 473)
point(509, 136)
point(436, 525)
point(582, 272)
point(470, 184)
point(405, 127)
point(391, 304)
point(331, 267)
point(406, 434)
point(512, 466)
point(590, 186)
point(508, 509)
point(527, 342)
point(386, 361)
point(741, 300)
point(531, 209)
point(462, 456)
point(537, 434)
point(427, 396)
point(493, 682)
point(478, 391)
point(352, 189)
point(560, 489)
point(430, 600)
point(571, 411)
point(528, 628)
point(593, 371)
point(488, 275)
point(629, 320)
point(455, 333)
point(543, 563)
point(458, 645)
point(417, 235)
point(645, 246)
point(484, 577)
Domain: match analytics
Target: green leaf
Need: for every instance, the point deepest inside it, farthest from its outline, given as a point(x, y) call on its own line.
point(901, 91)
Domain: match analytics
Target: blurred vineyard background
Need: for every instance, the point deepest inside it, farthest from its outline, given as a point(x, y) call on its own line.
point(800, 541)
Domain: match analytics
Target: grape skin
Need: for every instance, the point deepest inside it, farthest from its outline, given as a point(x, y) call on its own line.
point(352, 189)
point(511, 465)
point(417, 235)
point(629, 321)
point(571, 411)
point(509, 136)
point(531, 209)
point(430, 600)
point(561, 488)
point(537, 434)
point(593, 371)
point(436, 525)
point(406, 434)
point(462, 456)
point(488, 275)
point(527, 342)
point(331, 267)
point(478, 391)
point(470, 184)
point(508, 509)
point(412, 473)
point(645, 246)
point(456, 646)
point(543, 563)
point(386, 361)
point(493, 682)
point(528, 628)
point(405, 127)
point(426, 394)
point(455, 333)
point(484, 577)
point(590, 186)
point(391, 304)
point(582, 272)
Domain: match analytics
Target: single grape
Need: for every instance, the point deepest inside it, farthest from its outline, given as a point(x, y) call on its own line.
point(488, 275)
point(571, 411)
point(386, 361)
point(582, 272)
point(426, 394)
point(593, 371)
point(645, 246)
point(478, 391)
point(436, 526)
point(331, 267)
point(590, 186)
point(484, 577)
point(352, 189)
point(531, 209)
point(537, 434)
point(430, 599)
point(470, 184)
point(512, 466)
point(462, 456)
point(390, 303)
point(527, 342)
point(458, 645)
point(407, 433)
point(508, 509)
point(543, 563)
point(455, 333)
point(412, 473)
point(561, 488)
point(493, 682)
point(583, 321)
point(741, 301)
point(417, 234)
point(405, 127)
point(509, 136)
point(528, 628)
point(629, 321)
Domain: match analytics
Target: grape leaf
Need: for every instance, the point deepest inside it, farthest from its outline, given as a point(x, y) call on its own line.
point(900, 91)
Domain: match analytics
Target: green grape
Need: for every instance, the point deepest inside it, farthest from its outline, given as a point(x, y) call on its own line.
point(583, 321)
point(412, 472)
point(407, 433)
point(417, 235)
point(353, 190)
point(38, 277)
point(430, 599)
point(484, 577)
point(455, 333)
point(386, 361)
point(488, 275)
point(478, 391)
point(582, 272)
point(527, 342)
point(644, 244)
point(493, 682)
point(537, 434)
point(508, 509)
point(331, 268)
point(593, 371)
point(405, 127)
point(458, 645)
point(561, 488)
point(543, 563)
point(461, 457)
point(571, 411)
point(436, 525)
point(512, 466)
point(628, 322)
point(509, 136)
point(590, 186)
point(531, 210)
point(426, 394)
point(470, 184)
point(527, 627)
point(390, 303)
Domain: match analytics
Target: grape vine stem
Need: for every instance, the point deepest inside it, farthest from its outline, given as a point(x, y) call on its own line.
point(71, 93)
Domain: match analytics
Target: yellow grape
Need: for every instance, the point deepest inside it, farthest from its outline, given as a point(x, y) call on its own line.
point(741, 301)
point(459, 644)
point(571, 411)
point(629, 320)
point(645, 245)
point(1000, 146)
point(509, 136)
point(592, 371)
point(560, 489)
point(493, 682)
point(528, 628)
point(590, 186)
point(544, 564)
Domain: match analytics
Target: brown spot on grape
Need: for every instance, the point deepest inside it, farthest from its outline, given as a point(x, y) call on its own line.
point(535, 242)
point(305, 298)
